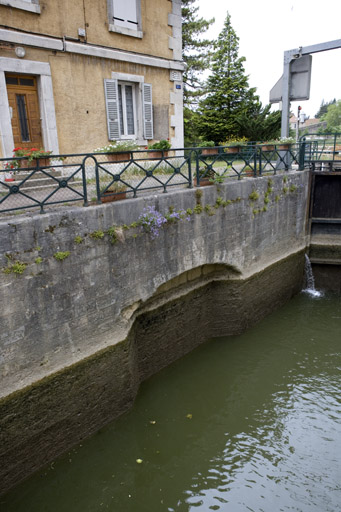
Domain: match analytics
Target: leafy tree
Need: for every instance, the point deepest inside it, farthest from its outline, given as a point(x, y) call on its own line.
point(333, 117)
point(324, 107)
point(261, 125)
point(228, 95)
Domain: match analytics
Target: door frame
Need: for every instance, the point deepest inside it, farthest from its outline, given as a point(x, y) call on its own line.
point(42, 71)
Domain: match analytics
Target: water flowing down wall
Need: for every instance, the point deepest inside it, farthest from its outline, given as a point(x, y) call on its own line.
point(92, 304)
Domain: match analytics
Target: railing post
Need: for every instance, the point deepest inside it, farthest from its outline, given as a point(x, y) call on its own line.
point(260, 161)
point(98, 190)
point(255, 162)
point(190, 181)
point(302, 147)
point(85, 191)
point(197, 167)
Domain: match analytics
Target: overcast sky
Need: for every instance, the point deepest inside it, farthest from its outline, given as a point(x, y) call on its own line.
point(267, 28)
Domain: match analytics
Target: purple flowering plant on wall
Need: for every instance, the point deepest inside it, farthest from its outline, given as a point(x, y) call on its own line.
point(151, 220)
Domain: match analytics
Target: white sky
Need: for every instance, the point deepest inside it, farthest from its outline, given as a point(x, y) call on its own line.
point(267, 28)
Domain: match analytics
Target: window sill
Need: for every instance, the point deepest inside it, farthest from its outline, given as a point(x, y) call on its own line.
point(21, 4)
point(122, 30)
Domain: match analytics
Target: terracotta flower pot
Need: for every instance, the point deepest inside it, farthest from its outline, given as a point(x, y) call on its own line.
point(43, 162)
point(284, 147)
point(204, 182)
point(109, 197)
point(268, 147)
point(118, 157)
point(233, 149)
point(158, 154)
point(209, 151)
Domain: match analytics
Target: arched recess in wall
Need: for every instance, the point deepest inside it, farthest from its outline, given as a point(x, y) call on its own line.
point(179, 316)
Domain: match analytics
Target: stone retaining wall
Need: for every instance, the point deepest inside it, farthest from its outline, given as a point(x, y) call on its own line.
point(80, 332)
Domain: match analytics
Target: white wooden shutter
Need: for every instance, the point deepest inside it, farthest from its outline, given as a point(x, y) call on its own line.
point(125, 13)
point(147, 111)
point(111, 100)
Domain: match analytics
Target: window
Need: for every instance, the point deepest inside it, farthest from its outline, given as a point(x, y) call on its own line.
point(24, 5)
point(129, 108)
point(125, 13)
point(125, 17)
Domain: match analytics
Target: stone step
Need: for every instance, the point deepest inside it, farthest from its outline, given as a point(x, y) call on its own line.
point(19, 176)
point(324, 261)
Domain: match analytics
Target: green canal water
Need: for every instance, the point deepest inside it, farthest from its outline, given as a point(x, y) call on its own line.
point(244, 423)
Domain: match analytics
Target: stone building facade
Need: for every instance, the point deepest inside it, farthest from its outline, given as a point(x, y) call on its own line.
point(76, 74)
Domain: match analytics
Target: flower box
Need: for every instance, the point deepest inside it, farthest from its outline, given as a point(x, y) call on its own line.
point(118, 157)
point(43, 162)
point(209, 151)
point(233, 149)
point(204, 182)
point(109, 197)
point(158, 154)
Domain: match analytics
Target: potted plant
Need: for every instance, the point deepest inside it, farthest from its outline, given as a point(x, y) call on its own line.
point(115, 192)
point(118, 151)
point(269, 145)
point(285, 142)
point(161, 149)
point(10, 168)
point(31, 156)
point(234, 145)
point(208, 147)
point(206, 177)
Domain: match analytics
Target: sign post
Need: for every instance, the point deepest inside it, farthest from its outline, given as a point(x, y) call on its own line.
point(295, 83)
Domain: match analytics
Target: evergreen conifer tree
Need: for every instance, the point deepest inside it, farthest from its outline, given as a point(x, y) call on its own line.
point(227, 95)
point(196, 55)
point(195, 51)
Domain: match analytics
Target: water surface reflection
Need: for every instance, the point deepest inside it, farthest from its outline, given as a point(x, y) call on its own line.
point(247, 423)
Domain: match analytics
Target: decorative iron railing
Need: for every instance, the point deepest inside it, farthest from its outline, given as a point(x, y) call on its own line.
point(100, 177)
point(320, 151)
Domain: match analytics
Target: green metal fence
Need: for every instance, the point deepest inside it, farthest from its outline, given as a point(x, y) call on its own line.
point(320, 151)
point(100, 177)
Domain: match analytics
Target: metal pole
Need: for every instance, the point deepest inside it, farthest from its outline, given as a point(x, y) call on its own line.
point(285, 94)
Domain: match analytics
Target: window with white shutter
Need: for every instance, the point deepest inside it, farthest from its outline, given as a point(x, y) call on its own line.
point(112, 105)
point(24, 5)
point(125, 13)
point(129, 107)
point(147, 111)
point(125, 17)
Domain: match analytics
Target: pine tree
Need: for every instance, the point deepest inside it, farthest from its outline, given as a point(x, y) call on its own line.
point(228, 95)
point(261, 125)
point(195, 51)
point(196, 55)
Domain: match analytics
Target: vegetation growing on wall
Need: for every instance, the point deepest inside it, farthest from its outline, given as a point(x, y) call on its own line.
point(152, 221)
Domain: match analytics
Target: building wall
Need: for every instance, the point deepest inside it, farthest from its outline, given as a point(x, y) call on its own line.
point(76, 119)
point(64, 18)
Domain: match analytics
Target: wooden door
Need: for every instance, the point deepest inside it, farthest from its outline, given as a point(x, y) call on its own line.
point(23, 101)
